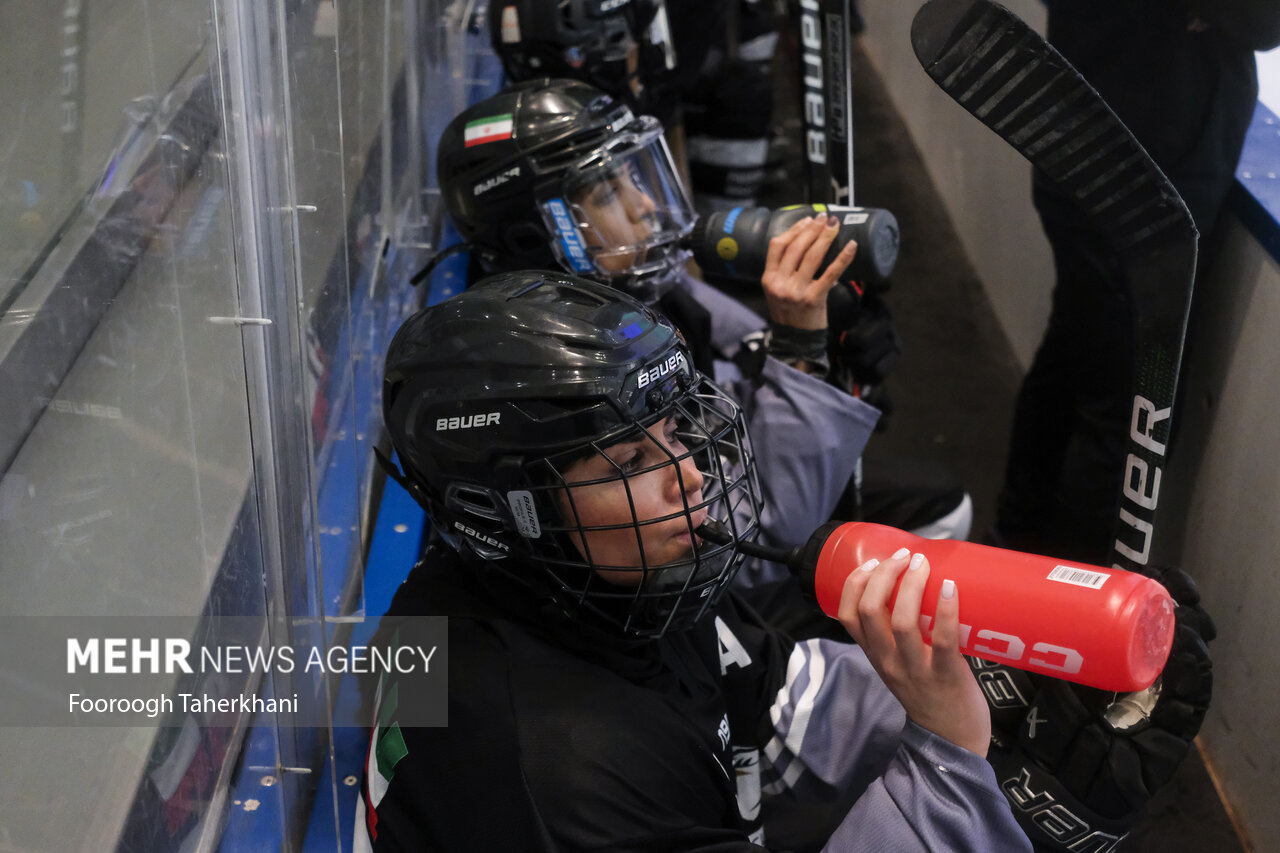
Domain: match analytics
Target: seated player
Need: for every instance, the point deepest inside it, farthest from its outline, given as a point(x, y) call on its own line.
point(556, 173)
point(607, 688)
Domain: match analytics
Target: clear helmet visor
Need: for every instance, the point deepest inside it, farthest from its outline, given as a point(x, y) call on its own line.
point(622, 210)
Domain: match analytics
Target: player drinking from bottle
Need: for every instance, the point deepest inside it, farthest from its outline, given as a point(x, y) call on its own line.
point(608, 689)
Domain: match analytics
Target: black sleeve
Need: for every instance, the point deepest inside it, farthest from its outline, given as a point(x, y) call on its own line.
point(1253, 23)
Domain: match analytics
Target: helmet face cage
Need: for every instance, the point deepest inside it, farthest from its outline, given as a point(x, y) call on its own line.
point(555, 428)
point(645, 592)
point(618, 214)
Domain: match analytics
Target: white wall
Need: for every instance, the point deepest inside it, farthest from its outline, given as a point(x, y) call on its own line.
point(1223, 478)
point(1224, 473)
point(986, 184)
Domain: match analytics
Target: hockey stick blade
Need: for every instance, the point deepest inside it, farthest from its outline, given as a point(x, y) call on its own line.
point(1009, 78)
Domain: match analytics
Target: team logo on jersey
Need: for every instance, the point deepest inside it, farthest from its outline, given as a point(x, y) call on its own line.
point(723, 732)
point(732, 652)
point(746, 772)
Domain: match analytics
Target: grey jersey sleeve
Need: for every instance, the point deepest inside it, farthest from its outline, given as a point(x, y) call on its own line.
point(833, 718)
point(731, 321)
point(807, 434)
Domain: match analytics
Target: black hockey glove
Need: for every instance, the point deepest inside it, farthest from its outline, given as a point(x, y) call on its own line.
point(870, 346)
point(863, 347)
point(1082, 763)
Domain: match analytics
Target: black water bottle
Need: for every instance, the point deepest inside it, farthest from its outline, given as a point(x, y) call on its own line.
point(733, 244)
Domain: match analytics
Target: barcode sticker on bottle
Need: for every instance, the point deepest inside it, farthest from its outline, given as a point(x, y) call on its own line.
point(1078, 577)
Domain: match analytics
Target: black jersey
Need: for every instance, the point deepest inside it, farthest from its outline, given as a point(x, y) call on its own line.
point(562, 738)
point(578, 740)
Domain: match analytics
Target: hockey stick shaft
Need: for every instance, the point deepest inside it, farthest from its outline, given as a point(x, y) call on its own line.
point(827, 100)
point(827, 113)
point(1009, 78)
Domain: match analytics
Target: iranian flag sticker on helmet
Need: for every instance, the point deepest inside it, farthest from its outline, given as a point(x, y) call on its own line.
point(489, 129)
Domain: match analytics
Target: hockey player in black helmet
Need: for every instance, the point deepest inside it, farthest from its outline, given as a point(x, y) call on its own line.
point(489, 413)
point(702, 68)
point(554, 173)
point(623, 47)
point(519, 172)
point(605, 689)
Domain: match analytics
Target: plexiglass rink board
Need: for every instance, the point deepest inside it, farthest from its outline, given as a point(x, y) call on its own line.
point(218, 205)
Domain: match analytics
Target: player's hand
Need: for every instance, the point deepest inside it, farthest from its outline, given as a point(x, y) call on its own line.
point(796, 295)
point(932, 682)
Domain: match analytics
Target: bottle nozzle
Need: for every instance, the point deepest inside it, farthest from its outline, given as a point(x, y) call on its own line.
point(714, 531)
point(717, 532)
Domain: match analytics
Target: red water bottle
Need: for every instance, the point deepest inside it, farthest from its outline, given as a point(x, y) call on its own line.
point(1101, 627)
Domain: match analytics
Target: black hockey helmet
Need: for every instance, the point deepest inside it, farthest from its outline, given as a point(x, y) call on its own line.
point(517, 170)
point(497, 397)
point(622, 47)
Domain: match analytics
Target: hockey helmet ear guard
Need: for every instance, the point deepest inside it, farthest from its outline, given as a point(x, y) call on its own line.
point(522, 406)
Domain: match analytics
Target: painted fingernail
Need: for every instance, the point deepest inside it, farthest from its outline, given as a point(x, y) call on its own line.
point(833, 221)
point(916, 561)
point(869, 565)
point(900, 553)
point(948, 589)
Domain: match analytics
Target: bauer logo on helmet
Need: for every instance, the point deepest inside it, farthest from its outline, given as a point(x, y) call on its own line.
point(672, 363)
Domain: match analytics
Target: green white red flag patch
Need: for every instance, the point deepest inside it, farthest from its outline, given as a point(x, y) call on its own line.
point(489, 129)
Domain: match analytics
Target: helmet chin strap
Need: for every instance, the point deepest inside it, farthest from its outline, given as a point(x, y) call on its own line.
point(393, 471)
point(431, 265)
